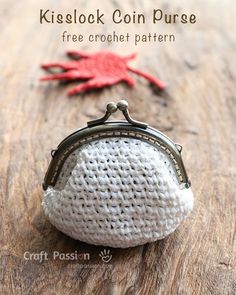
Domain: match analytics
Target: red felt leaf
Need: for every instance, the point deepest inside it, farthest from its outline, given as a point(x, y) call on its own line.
point(99, 69)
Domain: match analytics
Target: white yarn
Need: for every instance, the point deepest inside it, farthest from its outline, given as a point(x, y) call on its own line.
point(117, 192)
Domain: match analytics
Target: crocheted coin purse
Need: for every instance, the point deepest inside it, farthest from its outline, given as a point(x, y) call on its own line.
point(117, 184)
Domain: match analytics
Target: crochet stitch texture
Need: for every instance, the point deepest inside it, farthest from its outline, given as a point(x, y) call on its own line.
point(118, 192)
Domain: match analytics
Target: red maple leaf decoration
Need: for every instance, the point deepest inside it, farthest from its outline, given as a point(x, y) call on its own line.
point(99, 69)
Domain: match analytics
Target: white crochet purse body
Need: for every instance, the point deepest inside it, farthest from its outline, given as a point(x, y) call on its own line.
point(117, 184)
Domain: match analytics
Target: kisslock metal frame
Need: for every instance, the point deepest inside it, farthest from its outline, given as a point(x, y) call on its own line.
point(99, 128)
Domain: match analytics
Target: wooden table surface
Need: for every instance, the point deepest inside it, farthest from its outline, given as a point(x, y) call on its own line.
point(198, 109)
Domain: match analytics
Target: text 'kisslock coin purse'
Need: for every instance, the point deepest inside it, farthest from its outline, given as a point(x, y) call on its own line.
point(117, 184)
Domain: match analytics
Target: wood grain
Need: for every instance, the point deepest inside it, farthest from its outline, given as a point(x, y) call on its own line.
point(198, 109)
